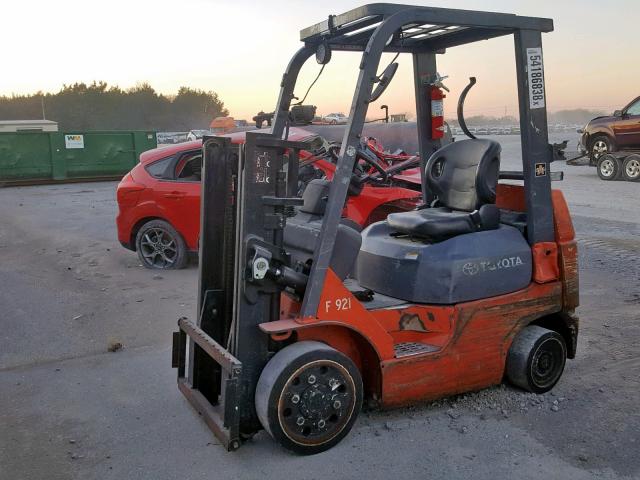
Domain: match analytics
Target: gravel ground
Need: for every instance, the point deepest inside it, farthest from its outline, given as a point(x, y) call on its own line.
point(71, 409)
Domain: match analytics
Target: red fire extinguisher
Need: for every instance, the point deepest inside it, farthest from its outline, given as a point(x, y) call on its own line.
point(436, 95)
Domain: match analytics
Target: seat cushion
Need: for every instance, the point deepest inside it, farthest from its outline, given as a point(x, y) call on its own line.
point(440, 223)
point(432, 223)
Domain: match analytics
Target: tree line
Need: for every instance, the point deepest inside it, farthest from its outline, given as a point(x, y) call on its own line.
point(98, 106)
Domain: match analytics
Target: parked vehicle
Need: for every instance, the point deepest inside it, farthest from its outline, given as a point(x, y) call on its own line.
point(196, 135)
point(620, 131)
point(159, 204)
point(336, 118)
point(159, 199)
point(300, 320)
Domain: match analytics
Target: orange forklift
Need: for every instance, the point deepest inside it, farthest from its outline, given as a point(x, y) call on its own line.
point(302, 317)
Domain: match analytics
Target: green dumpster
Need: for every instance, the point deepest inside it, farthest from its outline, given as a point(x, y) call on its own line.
point(40, 157)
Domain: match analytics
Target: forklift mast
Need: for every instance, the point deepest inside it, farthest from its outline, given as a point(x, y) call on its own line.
point(249, 190)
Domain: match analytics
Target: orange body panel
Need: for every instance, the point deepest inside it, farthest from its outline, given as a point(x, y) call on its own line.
point(511, 197)
point(545, 262)
point(475, 354)
point(472, 339)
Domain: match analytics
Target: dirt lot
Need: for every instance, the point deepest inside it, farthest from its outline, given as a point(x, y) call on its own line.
point(70, 409)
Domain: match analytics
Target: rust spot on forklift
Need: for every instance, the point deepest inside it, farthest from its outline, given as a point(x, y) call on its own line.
point(412, 322)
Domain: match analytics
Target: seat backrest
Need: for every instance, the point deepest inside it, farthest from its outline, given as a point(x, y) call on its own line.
point(315, 196)
point(464, 174)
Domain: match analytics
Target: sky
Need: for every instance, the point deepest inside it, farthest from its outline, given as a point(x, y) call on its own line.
point(240, 48)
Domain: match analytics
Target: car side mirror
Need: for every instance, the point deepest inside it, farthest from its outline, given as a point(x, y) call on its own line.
point(617, 113)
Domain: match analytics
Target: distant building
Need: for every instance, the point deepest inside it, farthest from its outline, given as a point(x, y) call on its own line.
point(28, 126)
point(398, 117)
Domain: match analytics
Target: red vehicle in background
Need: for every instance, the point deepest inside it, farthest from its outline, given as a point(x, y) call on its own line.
point(159, 199)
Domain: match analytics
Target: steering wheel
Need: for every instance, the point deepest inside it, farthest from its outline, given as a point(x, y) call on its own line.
point(364, 153)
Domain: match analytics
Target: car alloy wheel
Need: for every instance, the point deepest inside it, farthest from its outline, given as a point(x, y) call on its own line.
point(158, 248)
point(599, 148)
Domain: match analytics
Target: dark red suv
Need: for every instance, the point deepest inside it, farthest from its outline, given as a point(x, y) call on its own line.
point(620, 131)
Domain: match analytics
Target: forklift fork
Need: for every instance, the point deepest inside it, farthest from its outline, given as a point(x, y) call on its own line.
point(222, 418)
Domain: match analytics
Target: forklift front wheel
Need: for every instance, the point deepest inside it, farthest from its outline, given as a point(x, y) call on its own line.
point(536, 359)
point(308, 397)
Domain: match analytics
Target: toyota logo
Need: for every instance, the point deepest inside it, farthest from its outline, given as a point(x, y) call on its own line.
point(470, 268)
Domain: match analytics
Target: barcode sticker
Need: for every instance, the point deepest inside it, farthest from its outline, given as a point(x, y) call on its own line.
point(536, 77)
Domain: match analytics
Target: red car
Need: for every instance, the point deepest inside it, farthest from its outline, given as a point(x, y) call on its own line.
point(159, 201)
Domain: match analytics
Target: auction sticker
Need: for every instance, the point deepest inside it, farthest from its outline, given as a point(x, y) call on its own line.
point(536, 77)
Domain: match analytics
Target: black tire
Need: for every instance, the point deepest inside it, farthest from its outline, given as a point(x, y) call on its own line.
point(598, 146)
point(334, 122)
point(308, 397)
point(160, 246)
point(536, 359)
point(608, 167)
point(631, 168)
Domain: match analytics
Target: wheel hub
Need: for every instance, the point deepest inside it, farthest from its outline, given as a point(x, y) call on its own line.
point(607, 168)
point(633, 169)
point(599, 148)
point(158, 248)
point(319, 402)
point(316, 402)
point(546, 364)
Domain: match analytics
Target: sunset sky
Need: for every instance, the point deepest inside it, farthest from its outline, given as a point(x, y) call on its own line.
point(240, 48)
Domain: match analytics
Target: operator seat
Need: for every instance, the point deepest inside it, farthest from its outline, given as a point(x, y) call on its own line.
point(463, 175)
point(302, 230)
point(455, 252)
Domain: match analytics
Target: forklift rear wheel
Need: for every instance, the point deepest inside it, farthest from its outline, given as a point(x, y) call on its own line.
point(308, 397)
point(536, 359)
point(608, 167)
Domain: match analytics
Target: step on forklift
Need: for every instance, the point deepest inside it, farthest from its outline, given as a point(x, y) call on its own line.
point(477, 285)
